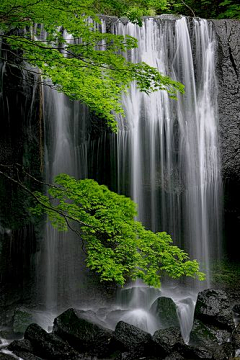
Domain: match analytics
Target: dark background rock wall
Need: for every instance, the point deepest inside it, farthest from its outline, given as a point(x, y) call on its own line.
point(20, 142)
point(228, 72)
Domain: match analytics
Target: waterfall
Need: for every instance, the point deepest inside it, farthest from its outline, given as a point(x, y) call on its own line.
point(167, 149)
point(165, 156)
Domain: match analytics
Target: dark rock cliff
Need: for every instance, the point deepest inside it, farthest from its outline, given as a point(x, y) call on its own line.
point(228, 72)
point(20, 142)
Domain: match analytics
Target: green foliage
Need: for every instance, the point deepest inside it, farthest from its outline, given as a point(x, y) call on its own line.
point(89, 68)
point(117, 246)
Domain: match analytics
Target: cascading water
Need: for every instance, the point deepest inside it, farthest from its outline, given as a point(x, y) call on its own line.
point(171, 146)
point(165, 156)
point(168, 150)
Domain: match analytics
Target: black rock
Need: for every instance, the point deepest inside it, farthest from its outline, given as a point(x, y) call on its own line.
point(49, 346)
point(167, 341)
point(213, 308)
point(205, 343)
point(198, 352)
point(174, 356)
point(131, 339)
point(201, 335)
point(21, 319)
point(165, 310)
point(21, 345)
point(83, 331)
point(23, 349)
point(7, 357)
point(236, 337)
point(223, 352)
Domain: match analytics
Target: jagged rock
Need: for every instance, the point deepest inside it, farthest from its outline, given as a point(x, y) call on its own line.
point(84, 331)
point(228, 64)
point(213, 308)
point(167, 341)
point(23, 349)
point(21, 319)
point(199, 353)
point(166, 311)
point(201, 335)
point(236, 337)
point(7, 357)
point(236, 313)
point(223, 352)
point(21, 345)
point(174, 356)
point(49, 346)
point(129, 338)
point(209, 343)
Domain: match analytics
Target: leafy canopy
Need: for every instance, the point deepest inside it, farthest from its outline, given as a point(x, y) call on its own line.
point(86, 65)
point(117, 246)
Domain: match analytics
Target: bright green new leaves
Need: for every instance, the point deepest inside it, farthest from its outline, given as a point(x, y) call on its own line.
point(117, 246)
point(86, 65)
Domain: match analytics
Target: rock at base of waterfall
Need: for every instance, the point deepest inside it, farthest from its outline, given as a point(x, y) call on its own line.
point(48, 345)
point(7, 357)
point(83, 331)
point(236, 337)
point(203, 335)
point(23, 349)
point(213, 308)
point(169, 340)
point(174, 356)
point(129, 338)
point(215, 352)
point(21, 319)
point(166, 311)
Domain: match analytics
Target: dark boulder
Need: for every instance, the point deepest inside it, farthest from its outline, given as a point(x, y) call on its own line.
point(21, 345)
point(223, 352)
point(213, 308)
point(23, 349)
point(165, 310)
point(83, 331)
point(49, 346)
point(174, 356)
point(198, 352)
point(167, 341)
point(236, 337)
point(213, 351)
point(129, 338)
point(21, 319)
point(201, 335)
point(4, 356)
point(236, 313)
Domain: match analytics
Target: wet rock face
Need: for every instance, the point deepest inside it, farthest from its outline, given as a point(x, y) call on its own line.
point(228, 72)
point(168, 340)
point(130, 338)
point(49, 345)
point(165, 310)
point(213, 308)
point(84, 331)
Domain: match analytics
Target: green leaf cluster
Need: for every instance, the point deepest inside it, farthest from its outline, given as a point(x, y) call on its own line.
point(118, 247)
point(87, 65)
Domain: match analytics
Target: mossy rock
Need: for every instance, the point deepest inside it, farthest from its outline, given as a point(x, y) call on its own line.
point(22, 318)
